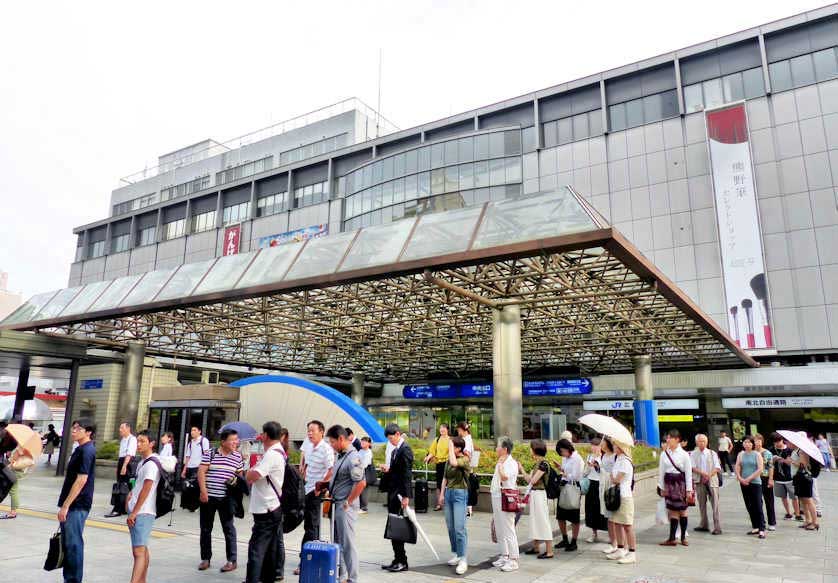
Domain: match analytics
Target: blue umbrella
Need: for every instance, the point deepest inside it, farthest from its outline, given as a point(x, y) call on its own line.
point(245, 430)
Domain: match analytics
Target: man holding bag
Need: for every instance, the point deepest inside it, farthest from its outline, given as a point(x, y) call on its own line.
point(706, 470)
point(400, 489)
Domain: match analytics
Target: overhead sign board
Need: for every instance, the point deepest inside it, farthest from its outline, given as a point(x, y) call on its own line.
point(779, 402)
point(92, 384)
point(537, 388)
point(556, 387)
point(312, 232)
point(628, 405)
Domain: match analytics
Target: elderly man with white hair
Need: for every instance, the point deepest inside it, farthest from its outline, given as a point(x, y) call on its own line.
point(706, 471)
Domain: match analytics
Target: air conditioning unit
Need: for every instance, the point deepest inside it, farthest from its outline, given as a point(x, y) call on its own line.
point(210, 377)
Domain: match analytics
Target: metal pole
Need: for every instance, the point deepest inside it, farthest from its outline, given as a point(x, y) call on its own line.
point(21, 396)
point(69, 411)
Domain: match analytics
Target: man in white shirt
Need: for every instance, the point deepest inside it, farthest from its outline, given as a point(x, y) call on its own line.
point(196, 448)
point(706, 470)
point(266, 479)
point(675, 482)
point(125, 470)
point(319, 459)
point(142, 505)
point(725, 449)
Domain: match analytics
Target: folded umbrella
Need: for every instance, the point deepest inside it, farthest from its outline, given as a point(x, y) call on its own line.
point(411, 516)
point(26, 438)
point(245, 430)
point(609, 427)
point(801, 441)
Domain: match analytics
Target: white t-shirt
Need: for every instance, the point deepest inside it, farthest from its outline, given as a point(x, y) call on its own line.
point(195, 451)
point(724, 444)
point(128, 446)
point(388, 453)
point(148, 471)
point(572, 467)
point(623, 466)
point(263, 498)
point(166, 450)
point(366, 457)
point(510, 468)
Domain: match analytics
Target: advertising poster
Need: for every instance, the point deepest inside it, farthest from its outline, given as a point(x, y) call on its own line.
point(312, 232)
point(232, 237)
point(743, 266)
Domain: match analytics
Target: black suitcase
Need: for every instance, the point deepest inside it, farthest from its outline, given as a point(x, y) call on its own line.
point(190, 495)
point(420, 495)
point(119, 496)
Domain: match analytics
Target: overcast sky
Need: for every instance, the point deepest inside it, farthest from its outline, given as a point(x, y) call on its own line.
point(92, 91)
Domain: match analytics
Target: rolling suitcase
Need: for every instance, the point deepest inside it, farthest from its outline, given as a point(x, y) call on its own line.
point(320, 559)
point(420, 495)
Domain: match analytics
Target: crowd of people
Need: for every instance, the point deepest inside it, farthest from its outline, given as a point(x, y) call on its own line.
point(336, 468)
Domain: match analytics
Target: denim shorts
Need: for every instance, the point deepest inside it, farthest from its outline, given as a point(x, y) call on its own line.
point(141, 530)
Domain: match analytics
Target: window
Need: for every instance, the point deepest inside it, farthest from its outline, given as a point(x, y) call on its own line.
point(826, 64)
point(311, 194)
point(643, 110)
point(733, 88)
point(272, 204)
point(174, 229)
point(317, 148)
point(693, 100)
point(715, 92)
point(804, 70)
point(236, 213)
point(753, 83)
point(97, 249)
point(134, 204)
point(147, 236)
point(780, 74)
point(244, 169)
point(185, 188)
point(202, 222)
point(120, 243)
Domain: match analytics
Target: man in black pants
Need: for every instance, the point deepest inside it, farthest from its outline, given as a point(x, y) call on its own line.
point(725, 448)
point(401, 486)
point(319, 459)
point(125, 470)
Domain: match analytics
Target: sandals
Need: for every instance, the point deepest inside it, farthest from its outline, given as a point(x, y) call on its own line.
point(544, 556)
point(7, 516)
point(813, 527)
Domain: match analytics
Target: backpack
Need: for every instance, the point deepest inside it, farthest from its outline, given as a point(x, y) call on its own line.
point(165, 488)
point(554, 485)
point(293, 498)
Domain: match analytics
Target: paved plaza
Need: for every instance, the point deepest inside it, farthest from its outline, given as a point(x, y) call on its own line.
point(789, 554)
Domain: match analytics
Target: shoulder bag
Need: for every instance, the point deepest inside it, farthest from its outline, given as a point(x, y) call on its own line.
point(510, 500)
point(400, 529)
point(570, 496)
point(612, 498)
point(690, 493)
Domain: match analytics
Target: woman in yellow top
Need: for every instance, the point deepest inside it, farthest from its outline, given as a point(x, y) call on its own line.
point(438, 454)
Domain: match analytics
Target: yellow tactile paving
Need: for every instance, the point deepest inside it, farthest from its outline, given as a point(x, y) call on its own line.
point(89, 522)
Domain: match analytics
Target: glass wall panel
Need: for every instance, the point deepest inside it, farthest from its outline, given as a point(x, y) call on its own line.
point(529, 139)
point(733, 88)
point(451, 152)
point(411, 185)
point(617, 117)
point(513, 170)
point(713, 94)
point(184, 280)
point(87, 296)
point(565, 130)
point(466, 175)
point(497, 172)
point(551, 134)
point(387, 168)
point(826, 64)
point(580, 126)
point(481, 173)
point(424, 184)
point(512, 142)
point(149, 287)
point(270, 265)
point(386, 194)
point(481, 147)
point(437, 155)
point(802, 70)
point(112, 296)
point(595, 122)
point(780, 74)
point(452, 178)
point(398, 165)
point(438, 181)
point(377, 246)
point(496, 144)
point(465, 149)
point(425, 158)
point(398, 189)
point(753, 83)
point(652, 108)
point(634, 113)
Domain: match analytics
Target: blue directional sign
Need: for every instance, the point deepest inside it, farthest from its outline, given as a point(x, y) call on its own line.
point(92, 384)
point(470, 390)
point(540, 388)
point(430, 392)
point(556, 387)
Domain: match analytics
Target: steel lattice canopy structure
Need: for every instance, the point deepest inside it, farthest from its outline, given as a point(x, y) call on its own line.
point(409, 299)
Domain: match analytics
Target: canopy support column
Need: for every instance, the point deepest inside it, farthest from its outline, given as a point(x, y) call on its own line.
point(645, 410)
point(69, 417)
point(506, 372)
point(132, 377)
point(358, 387)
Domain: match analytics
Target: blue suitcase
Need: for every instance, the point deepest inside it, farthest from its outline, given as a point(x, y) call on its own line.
point(321, 560)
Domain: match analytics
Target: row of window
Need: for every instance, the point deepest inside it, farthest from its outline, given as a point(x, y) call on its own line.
point(236, 213)
point(185, 188)
point(175, 229)
point(201, 222)
point(135, 204)
point(715, 92)
point(97, 249)
point(317, 148)
point(120, 243)
point(440, 203)
point(485, 173)
point(643, 110)
point(480, 147)
point(572, 129)
point(244, 170)
point(311, 194)
point(804, 70)
point(272, 204)
point(147, 236)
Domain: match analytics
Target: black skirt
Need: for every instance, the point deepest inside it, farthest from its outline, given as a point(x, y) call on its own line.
point(593, 514)
point(571, 516)
point(803, 485)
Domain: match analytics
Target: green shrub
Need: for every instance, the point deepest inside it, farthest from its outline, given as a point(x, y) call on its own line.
point(109, 450)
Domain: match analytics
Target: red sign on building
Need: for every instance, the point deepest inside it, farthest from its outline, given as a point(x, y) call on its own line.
point(232, 236)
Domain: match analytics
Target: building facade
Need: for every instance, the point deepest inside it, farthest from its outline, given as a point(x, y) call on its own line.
point(635, 141)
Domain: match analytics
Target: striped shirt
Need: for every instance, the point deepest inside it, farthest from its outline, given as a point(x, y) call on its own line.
point(319, 459)
point(220, 469)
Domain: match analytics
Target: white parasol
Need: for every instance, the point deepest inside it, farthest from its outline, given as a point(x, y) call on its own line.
point(801, 441)
point(411, 516)
point(609, 427)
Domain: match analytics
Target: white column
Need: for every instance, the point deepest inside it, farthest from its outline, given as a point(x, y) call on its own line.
point(506, 372)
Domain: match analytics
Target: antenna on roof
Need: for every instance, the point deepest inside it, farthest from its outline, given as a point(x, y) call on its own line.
point(378, 107)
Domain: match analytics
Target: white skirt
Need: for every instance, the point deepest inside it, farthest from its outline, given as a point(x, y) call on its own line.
point(540, 528)
point(604, 484)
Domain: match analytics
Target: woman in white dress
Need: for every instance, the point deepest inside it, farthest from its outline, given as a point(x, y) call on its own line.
point(540, 529)
point(606, 464)
point(504, 478)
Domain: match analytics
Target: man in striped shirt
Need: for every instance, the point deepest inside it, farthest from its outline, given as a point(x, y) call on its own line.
point(216, 469)
point(319, 457)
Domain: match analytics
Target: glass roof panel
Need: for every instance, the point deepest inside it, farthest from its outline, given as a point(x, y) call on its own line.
point(28, 311)
point(225, 273)
point(321, 256)
point(58, 303)
point(86, 297)
point(114, 294)
point(185, 280)
point(442, 233)
point(147, 288)
point(378, 245)
point(534, 217)
point(270, 265)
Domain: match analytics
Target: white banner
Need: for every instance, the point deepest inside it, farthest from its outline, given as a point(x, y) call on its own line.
point(743, 266)
point(628, 405)
point(779, 402)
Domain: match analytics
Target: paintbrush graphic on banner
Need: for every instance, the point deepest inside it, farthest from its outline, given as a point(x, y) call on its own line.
point(760, 290)
point(734, 311)
point(748, 305)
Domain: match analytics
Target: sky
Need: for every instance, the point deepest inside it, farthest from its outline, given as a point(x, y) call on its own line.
point(93, 91)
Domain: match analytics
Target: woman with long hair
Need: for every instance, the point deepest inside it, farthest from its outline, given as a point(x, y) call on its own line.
point(540, 529)
point(606, 464)
point(572, 468)
point(807, 470)
point(749, 465)
point(593, 516)
point(464, 431)
point(438, 454)
point(505, 478)
point(454, 494)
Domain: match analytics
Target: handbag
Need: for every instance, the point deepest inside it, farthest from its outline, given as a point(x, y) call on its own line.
point(612, 498)
point(510, 500)
point(585, 485)
point(400, 529)
point(570, 496)
point(55, 554)
point(370, 475)
point(690, 497)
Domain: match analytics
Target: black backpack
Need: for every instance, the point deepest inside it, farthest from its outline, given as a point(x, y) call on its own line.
point(165, 489)
point(293, 498)
point(554, 484)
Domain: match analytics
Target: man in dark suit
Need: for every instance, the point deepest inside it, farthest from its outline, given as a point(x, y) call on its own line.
point(400, 481)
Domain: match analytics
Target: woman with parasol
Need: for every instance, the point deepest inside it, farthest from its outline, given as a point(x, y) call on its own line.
point(23, 457)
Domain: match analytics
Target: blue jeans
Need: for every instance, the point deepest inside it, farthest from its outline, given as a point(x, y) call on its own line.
point(455, 517)
point(72, 530)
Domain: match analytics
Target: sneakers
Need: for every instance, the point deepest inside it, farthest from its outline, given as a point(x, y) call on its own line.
point(571, 547)
point(788, 517)
point(462, 567)
point(629, 559)
point(561, 544)
point(510, 565)
point(592, 539)
point(617, 555)
point(500, 562)
point(452, 562)
point(609, 549)
point(771, 527)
